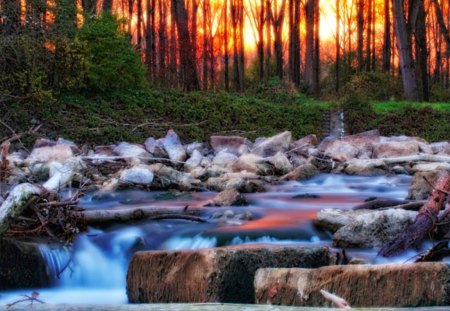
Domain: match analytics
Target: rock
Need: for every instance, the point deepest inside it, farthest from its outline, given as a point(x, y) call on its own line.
point(56, 153)
point(168, 177)
point(362, 167)
point(389, 149)
point(194, 161)
point(420, 189)
point(302, 172)
point(138, 175)
point(211, 275)
point(224, 159)
point(254, 164)
point(230, 218)
point(196, 146)
point(364, 228)
point(394, 285)
point(363, 140)
point(280, 164)
point(172, 145)
point(231, 144)
point(302, 146)
point(125, 149)
point(270, 146)
point(155, 147)
point(339, 150)
point(22, 266)
point(244, 182)
point(442, 148)
point(227, 197)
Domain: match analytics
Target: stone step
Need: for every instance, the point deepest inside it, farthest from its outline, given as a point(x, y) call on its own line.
point(223, 274)
point(393, 285)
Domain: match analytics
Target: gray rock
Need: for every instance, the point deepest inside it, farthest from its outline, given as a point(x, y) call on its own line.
point(270, 146)
point(302, 172)
point(194, 161)
point(173, 146)
point(254, 164)
point(420, 189)
point(281, 164)
point(211, 275)
point(364, 228)
point(138, 175)
point(442, 148)
point(362, 167)
point(231, 144)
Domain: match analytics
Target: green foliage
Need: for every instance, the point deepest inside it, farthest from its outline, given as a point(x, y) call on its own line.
point(373, 86)
point(111, 62)
point(359, 114)
point(134, 115)
point(440, 94)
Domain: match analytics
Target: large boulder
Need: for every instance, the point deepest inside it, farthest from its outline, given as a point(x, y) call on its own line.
point(243, 182)
point(270, 146)
point(394, 285)
point(281, 164)
point(137, 175)
point(364, 228)
point(223, 274)
point(364, 139)
point(57, 153)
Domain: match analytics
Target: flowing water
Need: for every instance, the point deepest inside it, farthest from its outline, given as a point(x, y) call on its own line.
point(94, 269)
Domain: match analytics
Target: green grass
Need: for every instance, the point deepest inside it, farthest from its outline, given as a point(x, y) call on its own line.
point(386, 106)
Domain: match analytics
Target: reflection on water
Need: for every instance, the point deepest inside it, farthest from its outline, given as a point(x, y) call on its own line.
point(97, 265)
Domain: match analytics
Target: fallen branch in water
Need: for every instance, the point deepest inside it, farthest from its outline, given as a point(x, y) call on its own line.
point(391, 203)
point(425, 221)
point(98, 217)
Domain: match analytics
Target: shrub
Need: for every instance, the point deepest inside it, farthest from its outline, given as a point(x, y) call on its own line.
point(111, 62)
point(373, 86)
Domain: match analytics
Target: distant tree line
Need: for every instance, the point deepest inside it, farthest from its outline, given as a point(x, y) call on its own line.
point(204, 44)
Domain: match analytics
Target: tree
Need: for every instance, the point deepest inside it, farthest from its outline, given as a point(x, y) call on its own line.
point(277, 19)
point(312, 45)
point(387, 37)
point(186, 49)
point(294, 41)
point(405, 54)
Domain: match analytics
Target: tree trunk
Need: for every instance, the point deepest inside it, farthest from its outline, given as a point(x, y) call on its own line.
point(261, 21)
point(442, 26)
point(149, 40)
point(88, 6)
point(186, 50)
point(338, 46)
point(277, 21)
point(226, 56)
point(162, 35)
point(405, 53)
point(360, 34)
point(107, 6)
point(309, 56)
point(387, 37)
point(422, 51)
point(369, 36)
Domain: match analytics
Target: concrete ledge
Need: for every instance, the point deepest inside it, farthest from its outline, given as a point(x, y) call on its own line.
point(395, 285)
point(212, 275)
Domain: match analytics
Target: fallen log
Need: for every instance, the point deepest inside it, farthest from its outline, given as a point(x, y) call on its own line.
point(391, 203)
point(99, 217)
point(424, 222)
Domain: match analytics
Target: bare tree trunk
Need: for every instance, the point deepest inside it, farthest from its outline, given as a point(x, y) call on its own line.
point(422, 51)
point(269, 39)
point(442, 26)
point(277, 22)
point(173, 49)
point(369, 36)
point(387, 37)
point(88, 6)
point(205, 9)
point(186, 50)
point(107, 5)
point(162, 35)
point(261, 21)
point(226, 53)
point(149, 38)
point(338, 46)
point(360, 34)
point(139, 24)
point(405, 53)
point(316, 64)
point(309, 56)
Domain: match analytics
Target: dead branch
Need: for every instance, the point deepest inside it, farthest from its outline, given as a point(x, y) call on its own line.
point(34, 297)
point(391, 203)
point(98, 217)
point(424, 222)
point(436, 253)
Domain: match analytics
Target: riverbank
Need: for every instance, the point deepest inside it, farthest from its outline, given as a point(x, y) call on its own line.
point(135, 115)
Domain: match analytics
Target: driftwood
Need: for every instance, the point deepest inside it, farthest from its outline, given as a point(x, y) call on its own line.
point(98, 217)
point(391, 203)
point(425, 221)
point(436, 253)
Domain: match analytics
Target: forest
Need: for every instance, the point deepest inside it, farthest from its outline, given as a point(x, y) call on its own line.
point(317, 46)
